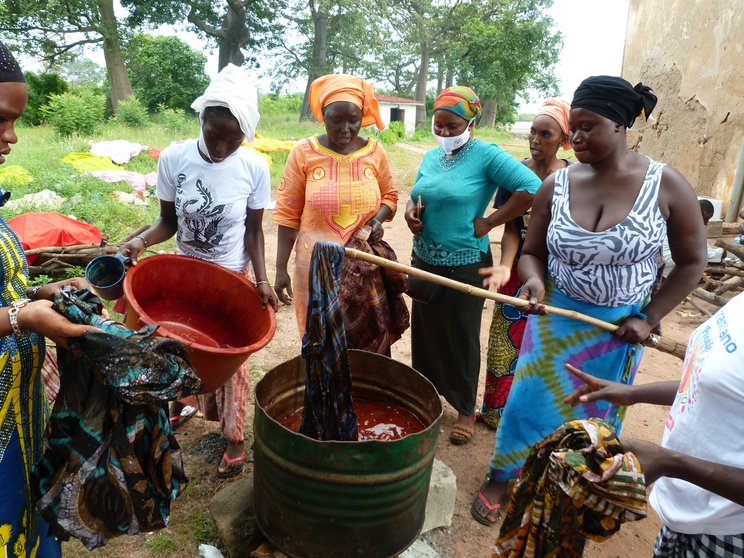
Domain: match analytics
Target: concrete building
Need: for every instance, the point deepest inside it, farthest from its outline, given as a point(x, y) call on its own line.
point(690, 53)
point(397, 108)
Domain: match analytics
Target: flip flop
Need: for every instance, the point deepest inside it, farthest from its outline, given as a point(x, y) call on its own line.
point(231, 471)
point(186, 414)
point(483, 519)
point(460, 434)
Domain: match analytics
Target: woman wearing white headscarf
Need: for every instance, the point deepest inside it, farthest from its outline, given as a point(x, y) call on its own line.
point(212, 197)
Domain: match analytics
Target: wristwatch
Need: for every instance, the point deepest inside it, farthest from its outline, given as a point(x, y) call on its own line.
point(15, 308)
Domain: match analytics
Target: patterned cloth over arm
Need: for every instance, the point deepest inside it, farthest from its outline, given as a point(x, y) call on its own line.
point(576, 483)
point(112, 465)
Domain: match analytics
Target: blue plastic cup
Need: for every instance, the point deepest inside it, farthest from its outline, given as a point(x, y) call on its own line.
point(106, 275)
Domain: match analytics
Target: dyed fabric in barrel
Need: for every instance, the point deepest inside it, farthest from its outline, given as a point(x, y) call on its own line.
point(576, 483)
point(112, 465)
point(328, 413)
point(375, 314)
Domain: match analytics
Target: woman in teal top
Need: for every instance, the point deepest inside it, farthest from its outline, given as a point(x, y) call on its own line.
point(455, 184)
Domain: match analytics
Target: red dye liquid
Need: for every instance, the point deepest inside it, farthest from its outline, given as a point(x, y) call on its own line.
point(377, 421)
point(193, 326)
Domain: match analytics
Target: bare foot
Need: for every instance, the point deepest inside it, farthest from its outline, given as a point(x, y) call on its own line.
point(489, 502)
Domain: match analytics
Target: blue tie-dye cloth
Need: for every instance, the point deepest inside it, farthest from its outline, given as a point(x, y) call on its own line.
point(329, 413)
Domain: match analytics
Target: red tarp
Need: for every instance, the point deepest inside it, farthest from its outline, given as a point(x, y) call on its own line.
point(39, 230)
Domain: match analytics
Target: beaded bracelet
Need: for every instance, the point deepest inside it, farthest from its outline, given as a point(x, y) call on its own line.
point(142, 238)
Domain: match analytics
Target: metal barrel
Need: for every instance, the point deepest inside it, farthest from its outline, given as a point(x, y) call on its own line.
point(343, 499)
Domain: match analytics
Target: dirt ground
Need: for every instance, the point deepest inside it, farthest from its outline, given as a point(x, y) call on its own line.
point(466, 537)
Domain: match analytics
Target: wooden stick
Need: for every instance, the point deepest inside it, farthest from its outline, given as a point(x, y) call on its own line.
point(655, 341)
point(689, 300)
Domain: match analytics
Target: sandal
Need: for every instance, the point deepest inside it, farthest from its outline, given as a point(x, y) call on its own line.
point(231, 470)
point(490, 518)
point(461, 434)
point(179, 420)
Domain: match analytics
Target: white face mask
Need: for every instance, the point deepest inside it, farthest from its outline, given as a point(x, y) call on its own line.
point(450, 143)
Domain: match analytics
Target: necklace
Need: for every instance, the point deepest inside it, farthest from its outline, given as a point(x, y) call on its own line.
point(446, 163)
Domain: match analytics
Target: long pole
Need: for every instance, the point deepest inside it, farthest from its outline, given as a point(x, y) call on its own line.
point(655, 341)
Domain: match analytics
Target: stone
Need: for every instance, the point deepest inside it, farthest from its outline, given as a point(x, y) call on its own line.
point(420, 549)
point(440, 503)
point(233, 513)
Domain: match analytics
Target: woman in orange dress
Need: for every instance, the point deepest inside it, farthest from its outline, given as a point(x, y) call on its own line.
point(338, 187)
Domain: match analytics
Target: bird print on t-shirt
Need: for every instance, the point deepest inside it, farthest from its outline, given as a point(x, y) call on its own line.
point(202, 218)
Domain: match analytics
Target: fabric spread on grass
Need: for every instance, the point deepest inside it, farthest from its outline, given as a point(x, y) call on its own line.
point(270, 145)
point(136, 180)
point(87, 162)
point(15, 175)
point(46, 199)
point(112, 465)
point(576, 483)
point(328, 412)
point(119, 151)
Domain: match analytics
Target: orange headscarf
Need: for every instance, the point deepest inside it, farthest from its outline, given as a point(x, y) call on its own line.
point(558, 110)
point(341, 87)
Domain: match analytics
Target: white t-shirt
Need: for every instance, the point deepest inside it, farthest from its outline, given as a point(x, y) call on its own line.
point(706, 422)
point(212, 200)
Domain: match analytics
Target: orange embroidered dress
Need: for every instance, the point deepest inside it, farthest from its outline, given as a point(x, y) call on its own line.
point(328, 196)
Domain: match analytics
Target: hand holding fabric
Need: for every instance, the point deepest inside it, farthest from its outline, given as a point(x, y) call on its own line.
point(376, 232)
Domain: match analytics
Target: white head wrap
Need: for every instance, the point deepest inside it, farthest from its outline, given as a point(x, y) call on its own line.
point(233, 89)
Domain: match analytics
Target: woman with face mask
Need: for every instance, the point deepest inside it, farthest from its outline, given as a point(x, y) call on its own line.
point(338, 187)
point(212, 196)
point(454, 185)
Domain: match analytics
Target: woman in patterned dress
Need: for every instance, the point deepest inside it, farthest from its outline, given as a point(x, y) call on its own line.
point(338, 187)
point(595, 230)
point(23, 325)
point(549, 131)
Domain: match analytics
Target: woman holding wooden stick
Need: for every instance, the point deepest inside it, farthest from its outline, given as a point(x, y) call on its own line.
point(595, 230)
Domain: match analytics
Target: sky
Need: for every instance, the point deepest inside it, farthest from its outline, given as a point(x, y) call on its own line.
point(593, 38)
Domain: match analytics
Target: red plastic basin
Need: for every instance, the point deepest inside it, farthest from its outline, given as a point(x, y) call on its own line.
point(216, 313)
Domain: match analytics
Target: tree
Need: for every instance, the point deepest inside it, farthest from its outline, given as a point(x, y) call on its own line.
point(40, 89)
point(54, 28)
point(82, 72)
point(165, 71)
point(510, 46)
point(235, 25)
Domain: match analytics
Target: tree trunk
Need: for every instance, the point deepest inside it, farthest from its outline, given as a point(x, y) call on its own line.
point(423, 77)
point(450, 80)
point(489, 113)
point(121, 88)
point(237, 36)
point(440, 76)
point(319, 61)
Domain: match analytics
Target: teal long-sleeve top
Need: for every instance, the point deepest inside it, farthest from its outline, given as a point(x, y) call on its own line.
point(454, 197)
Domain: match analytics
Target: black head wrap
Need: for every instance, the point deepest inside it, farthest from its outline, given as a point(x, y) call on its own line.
point(614, 98)
point(10, 71)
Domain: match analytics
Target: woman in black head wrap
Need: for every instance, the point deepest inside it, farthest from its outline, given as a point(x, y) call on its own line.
point(594, 234)
point(23, 325)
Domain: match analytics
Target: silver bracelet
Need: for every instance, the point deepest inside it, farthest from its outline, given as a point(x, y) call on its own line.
point(33, 292)
point(15, 308)
point(142, 238)
point(262, 283)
